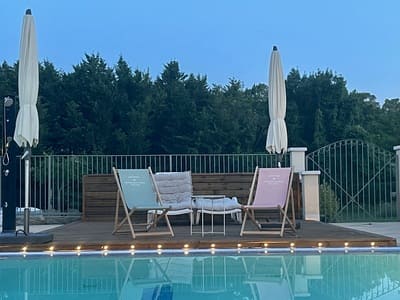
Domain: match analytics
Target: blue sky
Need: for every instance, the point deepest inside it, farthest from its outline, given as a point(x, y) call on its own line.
point(222, 39)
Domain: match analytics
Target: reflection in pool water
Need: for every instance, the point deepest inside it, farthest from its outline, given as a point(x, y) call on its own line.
point(330, 276)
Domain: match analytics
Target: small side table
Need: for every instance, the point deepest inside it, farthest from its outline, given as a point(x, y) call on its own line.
point(211, 211)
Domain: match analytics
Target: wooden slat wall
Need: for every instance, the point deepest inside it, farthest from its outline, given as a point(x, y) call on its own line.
point(99, 196)
point(230, 185)
point(100, 192)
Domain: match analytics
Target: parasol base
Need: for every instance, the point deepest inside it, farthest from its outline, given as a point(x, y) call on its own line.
point(20, 237)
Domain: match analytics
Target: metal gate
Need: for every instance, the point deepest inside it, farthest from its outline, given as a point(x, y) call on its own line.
point(357, 183)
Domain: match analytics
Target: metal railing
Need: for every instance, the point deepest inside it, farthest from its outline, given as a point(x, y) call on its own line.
point(359, 177)
point(56, 180)
point(358, 181)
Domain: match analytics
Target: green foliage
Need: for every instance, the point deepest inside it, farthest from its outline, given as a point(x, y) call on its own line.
point(319, 130)
point(328, 203)
point(98, 109)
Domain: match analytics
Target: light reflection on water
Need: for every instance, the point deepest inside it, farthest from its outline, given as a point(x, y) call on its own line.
point(258, 277)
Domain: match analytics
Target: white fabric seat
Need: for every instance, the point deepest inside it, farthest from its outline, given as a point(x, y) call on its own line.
point(218, 206)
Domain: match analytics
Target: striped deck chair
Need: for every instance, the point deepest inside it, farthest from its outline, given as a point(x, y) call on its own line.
point(137, 193)
point(271, 190)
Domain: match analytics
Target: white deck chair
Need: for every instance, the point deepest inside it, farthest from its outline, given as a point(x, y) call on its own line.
point(176, 191)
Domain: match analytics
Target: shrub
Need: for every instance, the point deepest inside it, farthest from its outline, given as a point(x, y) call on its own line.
point(328, 203)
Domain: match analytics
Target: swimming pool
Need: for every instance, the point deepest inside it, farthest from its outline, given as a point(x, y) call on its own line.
point(242, 274)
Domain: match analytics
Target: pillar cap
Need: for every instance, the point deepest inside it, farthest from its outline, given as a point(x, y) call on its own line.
point(305, 173)
point(298, 149)
point(396, 148)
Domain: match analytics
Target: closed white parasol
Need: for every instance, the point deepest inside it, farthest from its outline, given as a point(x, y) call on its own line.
point(27, 125)
point(277, 140)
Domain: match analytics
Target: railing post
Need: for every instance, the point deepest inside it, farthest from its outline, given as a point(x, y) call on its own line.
point(397, 149)
point(310, 180)
point(298, 158)
point(49, 185)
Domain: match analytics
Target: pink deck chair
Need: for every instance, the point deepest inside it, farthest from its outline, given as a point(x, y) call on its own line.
point(271, 190)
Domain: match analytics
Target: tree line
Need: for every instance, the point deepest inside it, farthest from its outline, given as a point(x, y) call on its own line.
point(99, 109)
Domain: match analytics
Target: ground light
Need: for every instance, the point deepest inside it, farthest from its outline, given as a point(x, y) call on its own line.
point(239, 249)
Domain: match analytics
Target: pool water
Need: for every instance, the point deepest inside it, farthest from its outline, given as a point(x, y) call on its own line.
point(261, 276)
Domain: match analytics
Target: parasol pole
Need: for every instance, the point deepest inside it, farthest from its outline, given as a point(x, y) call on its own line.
point(27, 161)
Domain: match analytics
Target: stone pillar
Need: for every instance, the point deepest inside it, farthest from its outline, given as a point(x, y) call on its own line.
point(310, 187)
point(298, 158)
point(397, 149)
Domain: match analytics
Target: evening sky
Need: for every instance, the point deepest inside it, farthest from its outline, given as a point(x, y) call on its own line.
point(222, 39)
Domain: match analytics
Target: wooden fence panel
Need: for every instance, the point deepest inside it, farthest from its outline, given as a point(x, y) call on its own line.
point(100, 192)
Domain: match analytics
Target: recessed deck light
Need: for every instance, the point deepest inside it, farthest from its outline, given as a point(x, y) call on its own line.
point(105, 250)
point(292, 245)
point(320, 244)
point(186, 249)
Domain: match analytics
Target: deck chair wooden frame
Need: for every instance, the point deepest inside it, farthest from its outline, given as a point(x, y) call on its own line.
point(148, 204)
point(250, 209)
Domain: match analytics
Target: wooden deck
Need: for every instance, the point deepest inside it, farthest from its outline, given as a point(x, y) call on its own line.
point(94, 235)
point(99, 194)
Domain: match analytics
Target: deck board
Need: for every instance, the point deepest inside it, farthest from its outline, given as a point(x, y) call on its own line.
point(93, 235)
